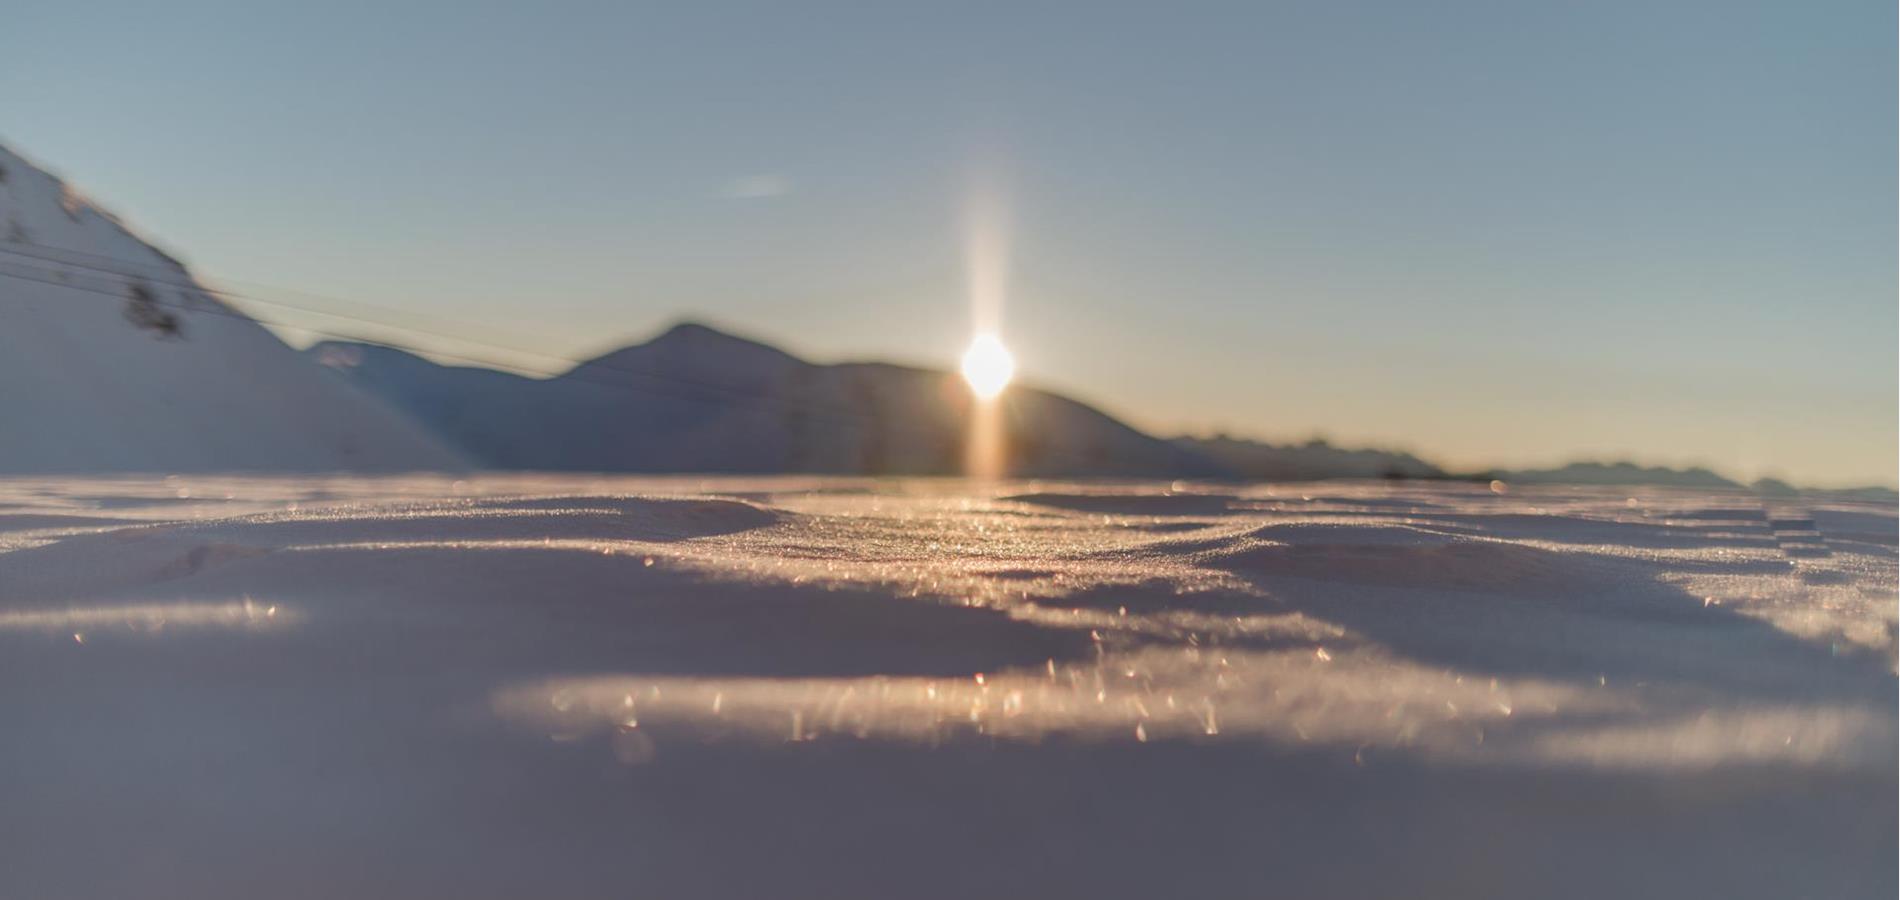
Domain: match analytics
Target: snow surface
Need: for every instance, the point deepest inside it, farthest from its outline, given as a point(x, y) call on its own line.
point(89, 384)
point(574, 687)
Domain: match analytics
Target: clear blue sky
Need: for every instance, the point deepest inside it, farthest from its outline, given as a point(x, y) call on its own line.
point(1493, 233)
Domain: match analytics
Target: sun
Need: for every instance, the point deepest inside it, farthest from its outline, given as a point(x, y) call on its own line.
point(987, 366)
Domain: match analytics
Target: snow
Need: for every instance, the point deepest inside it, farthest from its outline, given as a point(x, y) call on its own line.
point(113, 358)
point(509, 686)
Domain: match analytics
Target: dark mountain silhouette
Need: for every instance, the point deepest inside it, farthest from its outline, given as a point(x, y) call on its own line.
point(695, 399)
point(1619, 473)
point(1313, 459)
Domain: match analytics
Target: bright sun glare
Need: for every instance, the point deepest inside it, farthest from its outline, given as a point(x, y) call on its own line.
point(987, 366)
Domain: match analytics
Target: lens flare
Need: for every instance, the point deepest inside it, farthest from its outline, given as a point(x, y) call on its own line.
point(988, 366)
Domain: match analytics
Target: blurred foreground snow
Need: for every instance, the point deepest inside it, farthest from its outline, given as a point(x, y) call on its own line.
point(675, 687)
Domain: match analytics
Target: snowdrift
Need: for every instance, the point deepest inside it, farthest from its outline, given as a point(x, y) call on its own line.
point(583, 686)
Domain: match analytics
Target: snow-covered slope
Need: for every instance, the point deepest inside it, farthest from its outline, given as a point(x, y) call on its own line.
point(112, 358)
point(698, 400)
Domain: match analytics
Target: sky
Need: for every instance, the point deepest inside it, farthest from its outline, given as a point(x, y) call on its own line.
point(1491, 233)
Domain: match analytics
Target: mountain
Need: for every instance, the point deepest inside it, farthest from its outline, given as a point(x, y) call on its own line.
point(1621, 473)
point(695, 399)
point(1314, 459)
point(113, 358)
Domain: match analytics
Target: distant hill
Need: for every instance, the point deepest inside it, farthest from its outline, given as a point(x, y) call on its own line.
point(1314, 459)
point(1620, 473)
point(695, 399)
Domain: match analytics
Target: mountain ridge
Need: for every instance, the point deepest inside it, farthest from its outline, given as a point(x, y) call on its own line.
point(696, 398)
point(701, 370)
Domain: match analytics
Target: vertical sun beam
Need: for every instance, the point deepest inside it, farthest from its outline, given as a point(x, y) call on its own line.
point(987, 364)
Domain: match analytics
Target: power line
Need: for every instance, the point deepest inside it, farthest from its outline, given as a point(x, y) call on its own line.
point(871, 423)
point(114, 266)
point(191, 284)
point(60, 280)
point(171, 267)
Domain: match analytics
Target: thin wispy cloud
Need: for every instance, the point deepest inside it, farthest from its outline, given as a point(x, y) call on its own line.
point(756, 187)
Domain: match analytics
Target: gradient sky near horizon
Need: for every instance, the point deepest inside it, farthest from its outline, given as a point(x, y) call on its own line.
point(1492, 233)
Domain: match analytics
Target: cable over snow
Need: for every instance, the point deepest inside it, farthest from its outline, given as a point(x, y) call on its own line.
point(113, 358)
